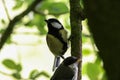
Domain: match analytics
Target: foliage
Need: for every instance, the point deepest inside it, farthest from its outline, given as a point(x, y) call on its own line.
point(35, 73)
point(12, 65)
point(53, 8)
point(35, 19)
point(93, 66)
point(17, 68)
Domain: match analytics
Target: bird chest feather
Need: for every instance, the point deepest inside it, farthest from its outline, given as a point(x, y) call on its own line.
point(54, 45)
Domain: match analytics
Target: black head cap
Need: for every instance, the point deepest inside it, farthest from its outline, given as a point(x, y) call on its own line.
point(70, 60)
point(53, 23)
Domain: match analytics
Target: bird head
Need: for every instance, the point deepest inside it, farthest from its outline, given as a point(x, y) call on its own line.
point(53, 23)
point(71, 61)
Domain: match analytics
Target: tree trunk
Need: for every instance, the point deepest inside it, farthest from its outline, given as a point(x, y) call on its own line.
point(104, 22)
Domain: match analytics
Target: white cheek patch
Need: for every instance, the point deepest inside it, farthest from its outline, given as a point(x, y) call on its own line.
point(75, 69)
point(56, 25)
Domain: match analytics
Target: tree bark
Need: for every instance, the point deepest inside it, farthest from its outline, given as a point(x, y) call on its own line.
point(104, 23)
point(76, 31)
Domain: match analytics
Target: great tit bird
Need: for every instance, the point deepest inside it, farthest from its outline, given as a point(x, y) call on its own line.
point(56, 40)
point(68, 69)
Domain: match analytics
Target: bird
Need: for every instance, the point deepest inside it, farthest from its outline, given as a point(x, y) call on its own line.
point(68, 69)
point(57, 40)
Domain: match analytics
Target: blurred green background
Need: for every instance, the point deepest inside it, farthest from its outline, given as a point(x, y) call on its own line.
point(25, 56)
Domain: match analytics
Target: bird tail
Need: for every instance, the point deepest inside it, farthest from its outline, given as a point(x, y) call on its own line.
point(56, 62)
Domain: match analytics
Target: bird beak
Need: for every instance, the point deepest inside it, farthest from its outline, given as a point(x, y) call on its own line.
point(46, 21)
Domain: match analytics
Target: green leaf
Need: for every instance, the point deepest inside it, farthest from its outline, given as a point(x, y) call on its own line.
point(12, 65)
point(44, 74)
point(85, 39)
point(86, 51)
point(29, 24)
point(93, 71)
point(28, 2)
point(98, 61)
point(55, 8)
point(18, 4)
point(84, 69)
point(104, 77)
point(9, 64)
point(18, 67)
point(3, 21)
point(35, 74)
point(39, 22)
point(16, 75)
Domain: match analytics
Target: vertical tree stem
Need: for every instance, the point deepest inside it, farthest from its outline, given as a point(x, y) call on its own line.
point(76, 31)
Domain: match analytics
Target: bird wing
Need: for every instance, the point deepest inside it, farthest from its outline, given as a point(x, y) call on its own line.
point(64, 39)
point(63, 33)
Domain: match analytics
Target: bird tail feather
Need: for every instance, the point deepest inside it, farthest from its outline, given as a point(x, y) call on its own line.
point(56, 62)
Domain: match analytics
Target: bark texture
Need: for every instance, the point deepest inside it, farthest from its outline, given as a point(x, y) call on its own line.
point(76, 17)
point(104, 23)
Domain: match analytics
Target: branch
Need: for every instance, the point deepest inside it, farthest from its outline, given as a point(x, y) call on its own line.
point(12, 23)
point(6, 10)
point(10, 75)
point(1, 72)
point(39, 12)
point(76, 17)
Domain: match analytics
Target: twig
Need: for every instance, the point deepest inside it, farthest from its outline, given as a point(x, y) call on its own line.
point(12, 23)
point(1, 72)
point(6, 74)
point(6, 10)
